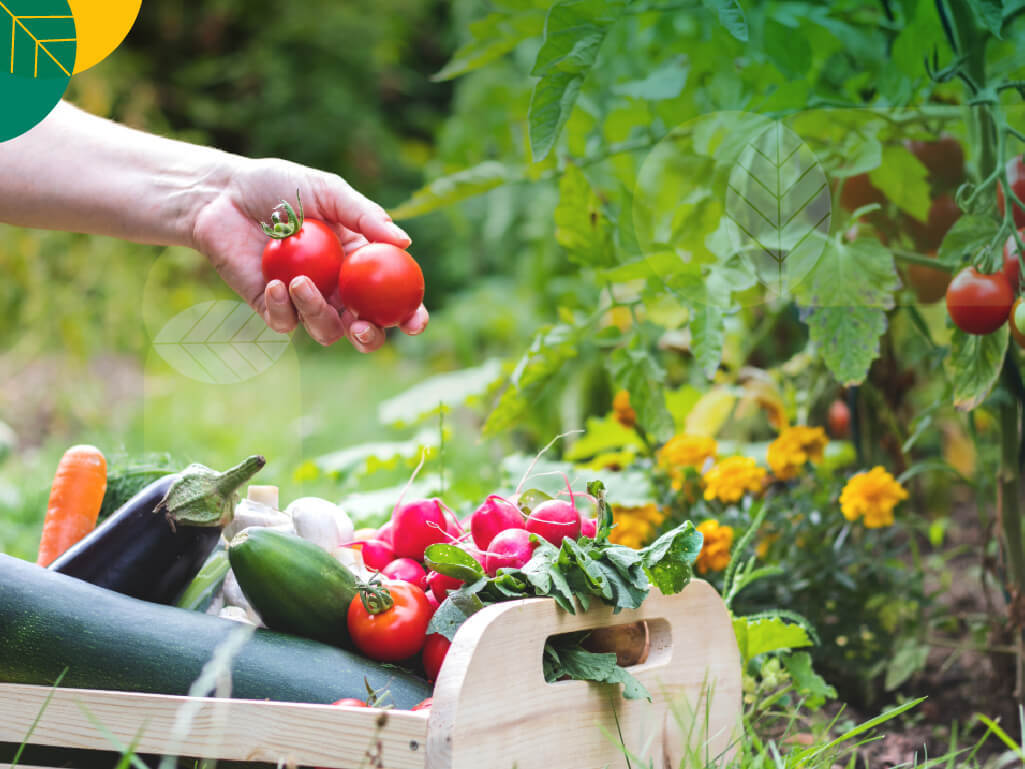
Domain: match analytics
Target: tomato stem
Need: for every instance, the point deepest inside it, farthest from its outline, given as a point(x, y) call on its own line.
point(375, 597)
point(278, 229)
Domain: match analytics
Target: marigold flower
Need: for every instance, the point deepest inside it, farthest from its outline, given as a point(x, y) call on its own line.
point(729, 480)
point(635, 525)
point(622, 411)
point(794, 448)
point(715, 552)
point(872, 494)
point(683, 452)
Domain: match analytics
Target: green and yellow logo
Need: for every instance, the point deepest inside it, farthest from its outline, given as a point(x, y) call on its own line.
point(43, 43)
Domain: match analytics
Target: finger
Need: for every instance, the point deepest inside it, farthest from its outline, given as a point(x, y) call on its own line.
point(365, 337)
point(341, 203)
point(321, 319)
point(417, 323)
point(279, 312)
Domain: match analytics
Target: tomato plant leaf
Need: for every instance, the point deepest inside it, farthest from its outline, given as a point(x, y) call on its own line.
point(636, 371)
point(731, 16)
point(848, 339)
point(788, 49)
point(761, 633)
point(991, 13)
point(492, 37)
point(448, 190)
point(665, 82)
point(974, 365)
point(970, 234)
point(707, 333)
point(904, 180)
point(581, 226)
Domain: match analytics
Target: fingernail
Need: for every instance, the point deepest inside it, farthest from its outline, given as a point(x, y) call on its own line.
point(303, 288)
point(398, 232)
point(278, 292)
point(365, 335)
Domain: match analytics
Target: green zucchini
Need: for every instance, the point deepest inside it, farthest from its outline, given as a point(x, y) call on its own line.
point(207, 583)
point(106, 640)
point(295, 586)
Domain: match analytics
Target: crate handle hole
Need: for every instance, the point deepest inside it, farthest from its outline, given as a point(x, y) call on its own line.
point(647, 643)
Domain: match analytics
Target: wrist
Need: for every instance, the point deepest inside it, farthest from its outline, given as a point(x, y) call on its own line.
point(207, 178)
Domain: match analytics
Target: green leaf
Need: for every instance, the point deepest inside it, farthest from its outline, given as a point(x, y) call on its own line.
point(788, 49)
point(904, 180)
point(974, 365)
point(665, 82)
point(969, 235)
point(760, 634)
point(582, 665)
point(440, 392)
point(550, 107)
point(581, 226)
point(359, 459)
point(453, 562)
point(908, 658)
point(921, 36)
point(603, 434)
point(991, 13)
point(668, 560)
point(449, 617)
point(848, 339)
point(707, 334)
point(807, 682)
point(731, 16)
point(636, 371)
point(455, 188)
point(493, 37)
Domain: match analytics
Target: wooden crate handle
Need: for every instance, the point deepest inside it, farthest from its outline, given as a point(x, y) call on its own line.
point(492, 706)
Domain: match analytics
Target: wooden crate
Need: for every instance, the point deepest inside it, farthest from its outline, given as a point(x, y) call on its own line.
point(492, 707)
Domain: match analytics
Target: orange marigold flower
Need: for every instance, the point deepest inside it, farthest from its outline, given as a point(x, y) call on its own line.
point(729, 480)
point(683, 452)
point(624, 414)
point(794, 448)
point(635, 525)
point(715, 552)
point(872, 494)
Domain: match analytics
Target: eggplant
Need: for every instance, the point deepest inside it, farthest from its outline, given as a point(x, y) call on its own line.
point(155, 543)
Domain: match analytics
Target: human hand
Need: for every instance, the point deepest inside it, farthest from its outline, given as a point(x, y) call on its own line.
point(227, 230)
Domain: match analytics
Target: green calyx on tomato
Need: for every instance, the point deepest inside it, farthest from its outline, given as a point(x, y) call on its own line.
point(279, 229)
point(375, 597)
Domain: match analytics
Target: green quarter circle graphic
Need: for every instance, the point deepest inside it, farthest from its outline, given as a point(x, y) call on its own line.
point(37, 57)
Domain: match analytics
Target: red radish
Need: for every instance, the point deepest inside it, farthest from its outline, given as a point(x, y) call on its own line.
point(435, 649)
point(494, 515)
point(511, 549)
point(432, 601)
point(453, 526)
point(416, 526)
point(589, 527)
point(554, 519)
point(441, 585)
point(384, 534)
point(376, 554)
point(407, 570)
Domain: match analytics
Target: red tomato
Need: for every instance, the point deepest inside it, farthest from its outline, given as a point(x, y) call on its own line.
point(928, 235)
point(1015, 323)
point(425, 705)
point(301, 246)
point(1012, 264)
point(435, 649)
point(1016, 178)
point(839, 419)
point(928, 283)
point(396, 633)
point(859, 191)
point(352, 702)
point(381, 283)
point(943, 158)
point(977, 303)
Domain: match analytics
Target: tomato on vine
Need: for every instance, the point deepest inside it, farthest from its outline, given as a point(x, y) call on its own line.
point(928, 235)
point(1016, 321)
point(943, 158)
point(1016, 178)
point(389, 622)
point(1012, 261)
point(858, 191)
point(300, 246)
point(979, 303)
point(838, 419)
point(928, 283)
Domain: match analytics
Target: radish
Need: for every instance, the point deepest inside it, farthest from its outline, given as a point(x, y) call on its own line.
point(416, 526)
point(433, 601)
point(407, 570)
point(376, 554)
point(494, 515)
point(441, 584)
point(511, 549)
point(384, 534)
point(553, 520)
point(589, 527)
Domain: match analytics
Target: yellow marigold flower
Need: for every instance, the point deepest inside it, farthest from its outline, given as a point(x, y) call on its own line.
point(635, 525)
point(794, 448)
point(624, 414)
point(682, 452)
point(729, 480)
point(715, 552)
point(873, 495)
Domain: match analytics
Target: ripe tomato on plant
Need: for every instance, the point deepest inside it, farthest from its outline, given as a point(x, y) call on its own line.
point(435, 649)
point(300, 246)
point(978, 303)
point(942, 157)
point(858, 191)
point(928, 283)
point(388, 623)
point(381, 283)
point(928, 235)
point(839, 419)
point(1016, 321)
point(1016, 178)
point(1012, 262)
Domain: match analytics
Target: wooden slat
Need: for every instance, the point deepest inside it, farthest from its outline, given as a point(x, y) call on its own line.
point(242, 730)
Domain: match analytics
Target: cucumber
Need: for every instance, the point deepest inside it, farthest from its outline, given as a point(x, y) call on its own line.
point(107, 640)
point(295, 586)
point(207, 583)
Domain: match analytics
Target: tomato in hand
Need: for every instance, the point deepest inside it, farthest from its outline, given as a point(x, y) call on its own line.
point(301, 246)
point(943, 158)
point(1016, 321)
point(839, 419)
point(389, 623)
point(1012, 264)
point(435, 649)
point(978, 303)
point(382, 284)
point(1016, 178)
point(928, 235)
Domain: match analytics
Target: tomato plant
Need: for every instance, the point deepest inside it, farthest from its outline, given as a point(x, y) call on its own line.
point(979, 303)
point(1015, 169)
point(1016, 321)
point(1012, 261)
point(942, 157)
point(858, 191)
point(928, 235)
point(300, 246)
point(839, 419)
point(928, 283)
point(389, 623)
point(381, 283)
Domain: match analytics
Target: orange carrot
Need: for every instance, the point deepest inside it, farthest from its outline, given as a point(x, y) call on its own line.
point(75, 499)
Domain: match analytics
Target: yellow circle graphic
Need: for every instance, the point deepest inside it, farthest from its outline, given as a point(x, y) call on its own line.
point(101, 25)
